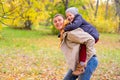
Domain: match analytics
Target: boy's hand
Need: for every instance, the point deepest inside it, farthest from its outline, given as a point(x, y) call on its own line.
point(65, 23)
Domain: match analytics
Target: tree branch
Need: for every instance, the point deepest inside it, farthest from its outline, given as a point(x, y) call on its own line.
point(2, 7)
point(4, 23)
point(106, 12)
point(91, 5)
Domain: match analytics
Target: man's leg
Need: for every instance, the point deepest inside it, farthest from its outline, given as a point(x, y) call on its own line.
point(69, 76)
point(90, 68)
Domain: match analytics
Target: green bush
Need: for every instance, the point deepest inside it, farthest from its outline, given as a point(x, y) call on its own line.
point(54, 30)
point(57, 9)
point(0, 31)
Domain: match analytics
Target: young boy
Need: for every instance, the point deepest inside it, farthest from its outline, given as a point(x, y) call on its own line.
point(76, 21)
point(58, 21)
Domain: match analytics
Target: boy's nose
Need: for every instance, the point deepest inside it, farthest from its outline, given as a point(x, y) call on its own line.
point(68, 19)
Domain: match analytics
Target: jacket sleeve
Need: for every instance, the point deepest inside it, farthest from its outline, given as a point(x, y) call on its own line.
point(75, 24)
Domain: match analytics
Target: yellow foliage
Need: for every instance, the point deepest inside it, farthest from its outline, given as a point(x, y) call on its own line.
point(38, 11)
point(103, 25)
point(110, 24)
point(0, 27)
point(19, 22)
point(19, 11)
point(0, 31)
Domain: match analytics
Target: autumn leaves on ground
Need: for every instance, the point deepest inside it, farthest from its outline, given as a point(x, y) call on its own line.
point(35, 55)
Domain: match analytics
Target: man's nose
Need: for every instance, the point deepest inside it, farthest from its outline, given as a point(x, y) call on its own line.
point(57, 22)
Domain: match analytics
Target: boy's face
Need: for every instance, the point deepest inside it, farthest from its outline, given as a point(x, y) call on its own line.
point(70, 16)
point(58, 22)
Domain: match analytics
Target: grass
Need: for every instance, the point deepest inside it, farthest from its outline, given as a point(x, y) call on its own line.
point(35, 55)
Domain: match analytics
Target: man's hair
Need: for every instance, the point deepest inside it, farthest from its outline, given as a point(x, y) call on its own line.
point(58, 15)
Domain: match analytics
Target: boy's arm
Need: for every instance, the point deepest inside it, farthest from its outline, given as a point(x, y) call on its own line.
point(75, 24)
point(79, 36)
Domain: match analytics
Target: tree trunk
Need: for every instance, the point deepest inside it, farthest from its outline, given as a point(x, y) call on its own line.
point(66, 6)
point(119, 25)
point(83, 6)
point(97, 4)
point(106, 12)
point(91, 5)
point(28, 24)
point(51, 0)
point(117, 3)
point(65, 2)
point(74, 0)
point(28, 1)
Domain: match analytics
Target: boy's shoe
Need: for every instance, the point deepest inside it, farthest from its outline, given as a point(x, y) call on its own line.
point(79, 70)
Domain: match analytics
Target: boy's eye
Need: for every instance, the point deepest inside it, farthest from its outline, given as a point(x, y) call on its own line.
point(70, 15)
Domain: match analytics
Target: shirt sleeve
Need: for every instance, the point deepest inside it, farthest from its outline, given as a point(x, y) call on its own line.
point(75, 24)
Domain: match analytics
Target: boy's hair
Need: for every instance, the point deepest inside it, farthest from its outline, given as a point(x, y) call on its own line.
point(59, 15)
point(72, 10)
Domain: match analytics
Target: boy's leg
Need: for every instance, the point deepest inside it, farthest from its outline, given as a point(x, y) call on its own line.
point(90, 68)
point(82, 58)
point(81, 37)
point(69, 76)
point(82, 53)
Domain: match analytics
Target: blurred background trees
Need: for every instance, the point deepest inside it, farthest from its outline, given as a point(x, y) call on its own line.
point(30, 14)
point(117, 4)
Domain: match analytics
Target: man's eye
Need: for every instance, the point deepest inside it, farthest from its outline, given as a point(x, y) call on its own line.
point(55, 21)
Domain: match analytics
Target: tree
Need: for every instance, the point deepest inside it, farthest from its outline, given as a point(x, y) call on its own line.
point(117, 3)
point(14, 13)
point(106, 12)
point(97, 4)
point(91, 5)
point(28, 23)
point(65, 2)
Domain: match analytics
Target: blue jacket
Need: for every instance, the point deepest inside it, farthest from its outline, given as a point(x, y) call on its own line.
point(79, 22)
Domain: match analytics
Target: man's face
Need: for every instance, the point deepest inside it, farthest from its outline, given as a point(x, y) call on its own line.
point(58, 22)
point(70, 16)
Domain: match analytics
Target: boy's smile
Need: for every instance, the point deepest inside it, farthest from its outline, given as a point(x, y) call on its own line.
point(70, 16)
